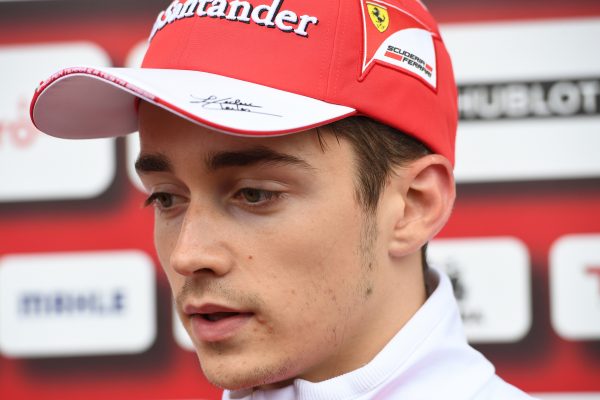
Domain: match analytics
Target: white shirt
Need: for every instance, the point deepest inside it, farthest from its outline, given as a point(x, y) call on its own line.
point(428, 359)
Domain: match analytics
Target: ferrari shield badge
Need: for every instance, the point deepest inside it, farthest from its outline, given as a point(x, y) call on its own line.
point(379, 16)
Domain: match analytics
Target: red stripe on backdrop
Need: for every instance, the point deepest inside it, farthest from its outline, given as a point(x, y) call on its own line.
point(451, 12)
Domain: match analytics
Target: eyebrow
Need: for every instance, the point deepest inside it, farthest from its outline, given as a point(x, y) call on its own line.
point(253, 156)
point(157, 162)
point(152, 162)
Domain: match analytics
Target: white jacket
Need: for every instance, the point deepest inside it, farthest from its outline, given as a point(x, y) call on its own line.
point(428, 359)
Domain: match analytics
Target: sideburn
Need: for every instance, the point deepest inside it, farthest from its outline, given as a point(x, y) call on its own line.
point(367, 253)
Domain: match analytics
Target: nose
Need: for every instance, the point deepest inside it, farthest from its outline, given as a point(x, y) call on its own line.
point(200, 246)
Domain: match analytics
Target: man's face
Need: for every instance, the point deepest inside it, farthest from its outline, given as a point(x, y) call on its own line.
point(270, 259)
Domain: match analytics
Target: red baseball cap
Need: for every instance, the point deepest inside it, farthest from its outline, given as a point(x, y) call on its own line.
point(270, 67)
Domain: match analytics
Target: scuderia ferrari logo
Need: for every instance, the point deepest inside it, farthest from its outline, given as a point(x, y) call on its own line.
point(397, 39)
point(267, 15)
point(379, 16)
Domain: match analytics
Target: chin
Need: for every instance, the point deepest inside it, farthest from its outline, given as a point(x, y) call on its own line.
point(239, 380)
point(238, 374)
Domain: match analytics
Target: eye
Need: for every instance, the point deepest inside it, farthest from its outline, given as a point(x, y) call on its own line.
point(160, 200)
point(255, 196)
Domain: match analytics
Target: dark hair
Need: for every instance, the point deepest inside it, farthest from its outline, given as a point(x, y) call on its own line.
point(378, 149)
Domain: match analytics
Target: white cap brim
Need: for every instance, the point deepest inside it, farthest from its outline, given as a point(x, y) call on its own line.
point(92, 102)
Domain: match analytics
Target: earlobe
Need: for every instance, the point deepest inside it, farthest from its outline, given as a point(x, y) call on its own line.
point(428, 192)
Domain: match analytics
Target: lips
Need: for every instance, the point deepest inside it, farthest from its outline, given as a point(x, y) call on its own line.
point(214, 323)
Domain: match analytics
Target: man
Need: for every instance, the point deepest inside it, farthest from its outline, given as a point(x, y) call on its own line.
point(299, 158)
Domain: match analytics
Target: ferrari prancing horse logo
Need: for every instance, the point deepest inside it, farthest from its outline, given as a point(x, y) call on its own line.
point(379, 16)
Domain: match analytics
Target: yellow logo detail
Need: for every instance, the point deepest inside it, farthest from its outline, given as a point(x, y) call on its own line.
point(379, 16)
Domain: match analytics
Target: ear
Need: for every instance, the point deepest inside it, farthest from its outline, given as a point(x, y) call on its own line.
point(427, 191)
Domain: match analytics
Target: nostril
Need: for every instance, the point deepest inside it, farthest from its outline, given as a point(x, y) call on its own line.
point(201, 260)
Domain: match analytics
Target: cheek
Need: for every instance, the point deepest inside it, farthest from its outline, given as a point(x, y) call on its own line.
point(166, 234)
point(315, 268)
point(326, 246)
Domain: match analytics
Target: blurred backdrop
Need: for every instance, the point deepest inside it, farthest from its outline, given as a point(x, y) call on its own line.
point(85, 311)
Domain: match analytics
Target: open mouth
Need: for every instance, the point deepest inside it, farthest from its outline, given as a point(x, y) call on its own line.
point(218, 316)
point(218, 325)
